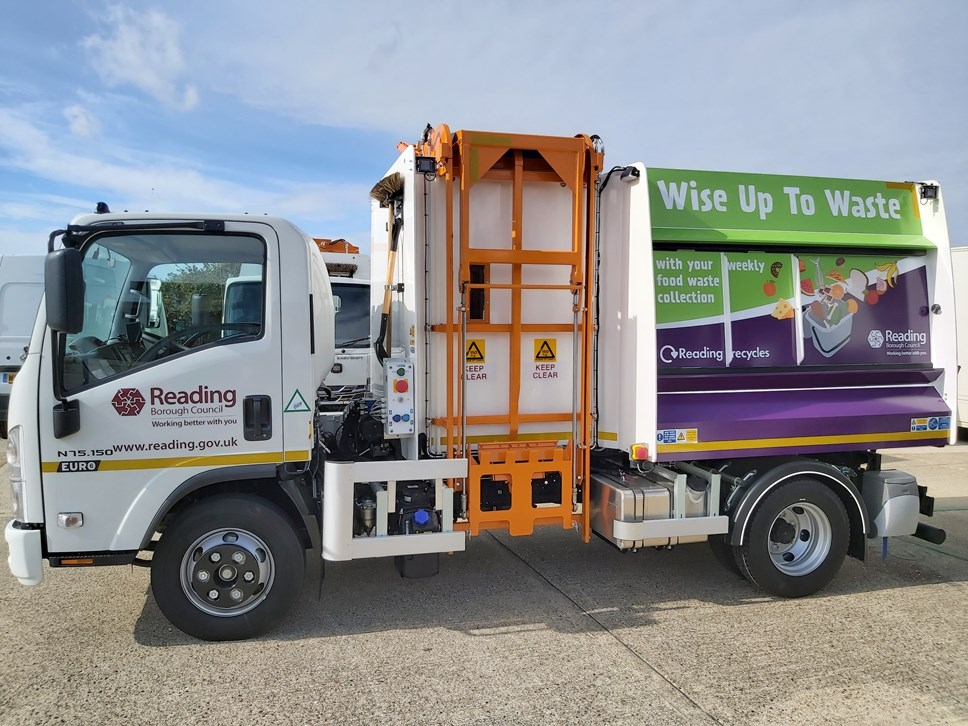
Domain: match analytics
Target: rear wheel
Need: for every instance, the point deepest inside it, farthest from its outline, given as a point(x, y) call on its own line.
point(228, 568)
point(796, 540)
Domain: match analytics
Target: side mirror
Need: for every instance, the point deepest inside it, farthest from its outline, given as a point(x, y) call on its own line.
point(64, 290)
point(337, 303)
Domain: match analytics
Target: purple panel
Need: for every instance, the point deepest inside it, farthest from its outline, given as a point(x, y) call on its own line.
point(752, 415)
point(763, 341)
point(805, 378)
point(695, 346)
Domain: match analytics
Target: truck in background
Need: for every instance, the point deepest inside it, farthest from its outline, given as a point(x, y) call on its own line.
point(21, 288)
point(959, 262)
point(650, 356)
point(349, 275)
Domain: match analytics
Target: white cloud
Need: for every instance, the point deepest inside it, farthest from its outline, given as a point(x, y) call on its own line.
point(82, 122)
point(139, 180)
point(15, 241)
point(143, 48)
point(841, 88)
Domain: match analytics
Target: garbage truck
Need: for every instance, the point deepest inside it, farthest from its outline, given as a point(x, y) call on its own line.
point(647, 356)
point(349, 275)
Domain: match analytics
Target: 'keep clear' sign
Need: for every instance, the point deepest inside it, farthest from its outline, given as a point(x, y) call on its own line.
point(545, 358)
point(475, 360)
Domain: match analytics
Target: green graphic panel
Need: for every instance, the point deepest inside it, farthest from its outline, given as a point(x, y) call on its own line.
point(706, 206)
point(758, 278)
point(688, 285)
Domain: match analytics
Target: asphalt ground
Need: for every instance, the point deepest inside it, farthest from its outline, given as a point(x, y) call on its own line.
point(519, 630)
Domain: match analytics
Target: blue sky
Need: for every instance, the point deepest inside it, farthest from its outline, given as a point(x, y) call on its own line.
point(294, 108)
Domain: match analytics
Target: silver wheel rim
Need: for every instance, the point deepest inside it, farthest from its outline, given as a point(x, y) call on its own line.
point(227, 572)
point(800, 539)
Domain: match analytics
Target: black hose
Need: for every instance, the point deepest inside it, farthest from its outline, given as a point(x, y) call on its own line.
point(378, 348)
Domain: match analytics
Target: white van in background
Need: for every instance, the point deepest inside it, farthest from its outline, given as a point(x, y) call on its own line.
point(959, 264)
point(21, 287)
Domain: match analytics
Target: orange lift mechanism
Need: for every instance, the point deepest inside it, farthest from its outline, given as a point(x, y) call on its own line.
point(514, 459)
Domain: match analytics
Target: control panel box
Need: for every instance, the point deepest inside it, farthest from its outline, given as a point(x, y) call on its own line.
point(399, 393)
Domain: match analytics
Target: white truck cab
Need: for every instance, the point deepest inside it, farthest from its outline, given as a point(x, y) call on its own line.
point(349, 275)
point(148, 376)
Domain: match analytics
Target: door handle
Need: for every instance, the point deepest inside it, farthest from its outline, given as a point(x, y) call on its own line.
point(257, 418)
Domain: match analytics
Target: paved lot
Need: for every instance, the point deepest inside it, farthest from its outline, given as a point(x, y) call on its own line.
point(532, 630)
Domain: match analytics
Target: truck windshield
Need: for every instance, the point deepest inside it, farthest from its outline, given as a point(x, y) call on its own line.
point(150, 296)
point(353, 316)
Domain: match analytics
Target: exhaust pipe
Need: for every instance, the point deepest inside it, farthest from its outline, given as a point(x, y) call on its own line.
point(935, 535)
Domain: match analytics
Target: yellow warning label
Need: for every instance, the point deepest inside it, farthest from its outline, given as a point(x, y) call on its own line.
point(475, 351)
point(546, 350)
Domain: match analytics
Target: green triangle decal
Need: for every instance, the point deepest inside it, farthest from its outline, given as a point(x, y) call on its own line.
point(297, 404)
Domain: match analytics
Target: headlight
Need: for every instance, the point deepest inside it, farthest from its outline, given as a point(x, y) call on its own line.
point(17, 487)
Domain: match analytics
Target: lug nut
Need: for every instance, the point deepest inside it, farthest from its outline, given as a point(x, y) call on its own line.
point(238, 558)
point(248, 577)
point(213, 594)
point(202, 575)
point(215, 557)
point(236, 594)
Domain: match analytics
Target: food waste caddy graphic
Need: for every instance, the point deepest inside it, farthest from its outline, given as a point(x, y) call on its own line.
point(863, 309)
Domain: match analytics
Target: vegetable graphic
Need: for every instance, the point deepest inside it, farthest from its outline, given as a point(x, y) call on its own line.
point(769, 288)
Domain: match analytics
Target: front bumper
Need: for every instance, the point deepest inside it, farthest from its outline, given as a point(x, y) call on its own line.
point(26, 558)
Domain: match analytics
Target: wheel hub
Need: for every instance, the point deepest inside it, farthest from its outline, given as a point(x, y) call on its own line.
point(783, 532)
point(227, 572)
point(800, 538)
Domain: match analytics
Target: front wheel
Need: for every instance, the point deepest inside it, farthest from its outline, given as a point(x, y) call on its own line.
point(228, 568)
point(797, 539)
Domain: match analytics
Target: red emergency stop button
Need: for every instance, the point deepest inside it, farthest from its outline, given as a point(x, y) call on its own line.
point(401, 386)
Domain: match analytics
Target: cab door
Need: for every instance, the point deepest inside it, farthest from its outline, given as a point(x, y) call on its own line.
point(168, 382)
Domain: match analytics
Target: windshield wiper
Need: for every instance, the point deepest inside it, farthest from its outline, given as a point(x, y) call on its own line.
point(355, 341)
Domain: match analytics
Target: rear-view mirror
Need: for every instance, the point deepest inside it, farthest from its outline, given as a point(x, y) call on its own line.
point(64, 290)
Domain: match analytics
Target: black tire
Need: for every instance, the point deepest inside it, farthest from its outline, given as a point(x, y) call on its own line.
point(254, 594)
point(796, 539)
point(725, 553)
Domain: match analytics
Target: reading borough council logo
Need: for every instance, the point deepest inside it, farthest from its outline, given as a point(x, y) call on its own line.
point(128, 401)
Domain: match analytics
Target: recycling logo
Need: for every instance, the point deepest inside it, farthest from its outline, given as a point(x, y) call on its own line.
point(128, 401)
point(875, 339)
point(667, 354)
